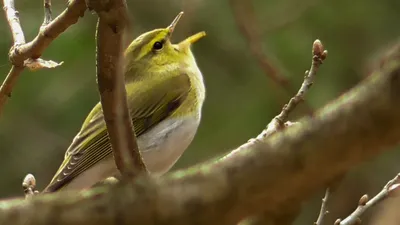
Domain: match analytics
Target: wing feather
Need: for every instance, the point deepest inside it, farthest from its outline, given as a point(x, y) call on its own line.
point(147, 107)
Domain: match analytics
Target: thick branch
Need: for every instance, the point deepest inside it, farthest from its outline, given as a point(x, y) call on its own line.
point(284, 214)
point(110, 77)
point(288, 165)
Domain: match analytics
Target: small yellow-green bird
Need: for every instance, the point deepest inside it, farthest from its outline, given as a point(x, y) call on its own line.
point(165, 93)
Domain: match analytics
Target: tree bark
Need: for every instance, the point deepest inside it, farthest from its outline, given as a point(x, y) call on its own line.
point(259, 175)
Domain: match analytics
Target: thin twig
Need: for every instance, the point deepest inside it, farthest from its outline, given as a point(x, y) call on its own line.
point(35, 48)
point(18, 39)
point(319, 55)
point(324, 211)
point(13, 22)
point(280, 18)
point(278, 123)
point(364, 203)
point(248, 25)
point(47, 13)
point(110, 77)
point(8, 84)
point(22, 51)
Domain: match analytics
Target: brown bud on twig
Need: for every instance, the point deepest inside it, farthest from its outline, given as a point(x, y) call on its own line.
point(363, 200)
point(317, 48)
point(29, 181)
point(29, 185)
point(324, 54)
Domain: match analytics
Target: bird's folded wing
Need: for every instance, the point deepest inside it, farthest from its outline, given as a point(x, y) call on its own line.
point(148, 106)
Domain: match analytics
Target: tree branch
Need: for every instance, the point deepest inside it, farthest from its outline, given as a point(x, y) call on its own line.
point(22, 51)
point(13, 22)
point(249, 27)
point(291, 164)
point(323, 212)
point(47, 12)
point(281, 18)
point(287, 213)
point(18, 39)
point(284, 214)
point(247, 23)
point(319, 54)
point(110, 76)
point(364, 203)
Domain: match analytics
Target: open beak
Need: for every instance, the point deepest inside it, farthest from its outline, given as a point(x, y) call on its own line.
point(172, 26)
point(192, 39)
point(188, 41)
point(195, 37)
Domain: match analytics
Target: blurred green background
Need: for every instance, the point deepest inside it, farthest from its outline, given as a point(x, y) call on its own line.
point(47, 107)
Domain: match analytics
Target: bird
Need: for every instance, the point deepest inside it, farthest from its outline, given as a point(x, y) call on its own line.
point(165, 95)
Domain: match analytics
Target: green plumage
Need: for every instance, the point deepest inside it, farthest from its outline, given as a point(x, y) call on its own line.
point(92, 143)
point(162, 85)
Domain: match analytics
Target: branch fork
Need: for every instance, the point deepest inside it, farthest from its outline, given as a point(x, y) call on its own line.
point(24, 54)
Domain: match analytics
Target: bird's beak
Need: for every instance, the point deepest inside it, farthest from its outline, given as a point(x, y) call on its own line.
point(188, 41)
point(185, 44)
point(194, 38)
point(172, 26)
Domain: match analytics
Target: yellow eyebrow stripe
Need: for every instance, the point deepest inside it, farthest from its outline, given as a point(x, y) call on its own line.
point(149, 46)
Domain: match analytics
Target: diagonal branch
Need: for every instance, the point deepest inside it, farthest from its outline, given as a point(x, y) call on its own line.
point(319, 54)
point(22, 51)
point(291, 164)
point(35, 48)
point(365, 203)
point(110, 76)
point(8, 84)
point(281, 18)
point(277, 124)
point(247, 23)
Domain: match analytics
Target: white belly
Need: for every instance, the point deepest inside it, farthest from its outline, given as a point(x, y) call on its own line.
point(164, 144)
point(161, 147)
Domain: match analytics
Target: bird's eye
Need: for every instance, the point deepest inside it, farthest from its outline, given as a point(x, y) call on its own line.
point(158, 45)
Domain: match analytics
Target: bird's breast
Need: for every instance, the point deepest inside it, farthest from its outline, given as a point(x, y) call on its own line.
point(162, 145)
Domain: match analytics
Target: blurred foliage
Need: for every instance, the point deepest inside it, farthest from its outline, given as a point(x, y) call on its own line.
point(47, 107)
